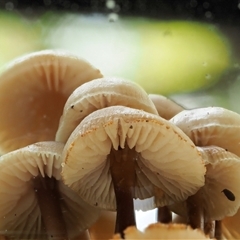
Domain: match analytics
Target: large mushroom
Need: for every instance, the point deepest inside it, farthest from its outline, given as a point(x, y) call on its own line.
point(34, 202)
point(34, 89)
point(97, 94)
point(118, 154)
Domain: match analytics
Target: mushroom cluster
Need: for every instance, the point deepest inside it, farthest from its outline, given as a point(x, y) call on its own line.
point(76, 146)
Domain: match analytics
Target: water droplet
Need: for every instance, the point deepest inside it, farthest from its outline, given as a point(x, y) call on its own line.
point(9, 6)
point(208, 76)
point(206, 5)
point(110, 4)
point(193, 3)
point(112, 17)
point(208, 14)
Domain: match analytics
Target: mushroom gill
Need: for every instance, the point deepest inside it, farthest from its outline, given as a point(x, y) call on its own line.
point(34, 89)
point(118, 154)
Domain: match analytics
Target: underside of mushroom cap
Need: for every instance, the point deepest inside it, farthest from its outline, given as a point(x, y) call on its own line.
point(20, 215)
point(163, 231)
point(163, 156)
point(34, 89)
point(97, 94)
point(221, 193)
point(211, 126)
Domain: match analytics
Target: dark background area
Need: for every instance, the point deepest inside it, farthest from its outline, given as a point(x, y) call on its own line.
point(227, 11)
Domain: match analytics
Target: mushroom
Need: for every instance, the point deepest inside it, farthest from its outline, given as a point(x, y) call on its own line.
point(34, 202)
point(163, 231)
point(166, 107)
point(220, 196)
point(230, 226)
point(211, 126)
point(97, 94)
point(34, 89)
point(118, 154)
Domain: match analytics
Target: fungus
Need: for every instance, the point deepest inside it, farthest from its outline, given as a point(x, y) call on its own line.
point(211, 126)
point(222, 173)
point(166, 107)
point(34, 202)
point(97, 94)
point(34, 89)
point(109, 163)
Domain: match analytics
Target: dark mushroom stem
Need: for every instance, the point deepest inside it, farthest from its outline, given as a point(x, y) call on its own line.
point(122, 167)
point(48, 199)
point(195, 211)
point(218, 230)
point(164, 215)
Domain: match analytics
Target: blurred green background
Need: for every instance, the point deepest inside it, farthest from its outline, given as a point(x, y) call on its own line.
point(195, 63)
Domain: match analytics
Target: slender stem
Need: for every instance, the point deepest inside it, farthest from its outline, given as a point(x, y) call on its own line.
point(122, 167)
point(209, 228)
point(48, 200)
point(195, 211)
point(218, 230)
point(164, 215)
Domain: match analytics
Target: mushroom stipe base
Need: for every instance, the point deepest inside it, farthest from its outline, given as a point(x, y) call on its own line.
point(164, 215)
point(48, 199)
point(122, 167)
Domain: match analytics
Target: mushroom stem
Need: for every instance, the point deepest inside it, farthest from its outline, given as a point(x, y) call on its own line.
point(122, 167)
point(209, 228)
point(195, 211)
point(164, 215)
point(48, 200)
point(218, 230)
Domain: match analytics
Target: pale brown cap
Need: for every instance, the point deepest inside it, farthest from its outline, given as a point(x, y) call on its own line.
point(97, 94)
point(166, 107)
point(163, 231)
point(230, 226)
point(34, 89)
point(221, 192)
point(20, 215)
point(168, 165)
point(211, 126)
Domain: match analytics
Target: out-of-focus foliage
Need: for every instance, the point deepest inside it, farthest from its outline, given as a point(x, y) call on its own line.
point(18, 36)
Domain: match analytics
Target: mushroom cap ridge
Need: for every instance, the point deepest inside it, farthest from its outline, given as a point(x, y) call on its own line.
point(34, 89)
point(20, 215)
point(164, 154)
point(97, 94)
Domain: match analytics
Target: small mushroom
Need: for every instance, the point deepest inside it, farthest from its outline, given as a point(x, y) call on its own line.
point(97, 94)
point(118, 153)
point(211, 126)
point(230, 226)
point(166, 107)
point(163, 231)
point(34, 89)
point(34, 202)
point(222, 176)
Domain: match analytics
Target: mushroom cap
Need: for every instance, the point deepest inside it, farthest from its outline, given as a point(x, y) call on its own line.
point(20, 215)
point(97, 94)
point(211, 126)
point(34, 89)
point(222, 174)
point(166, 107)
point(163, 231)
point(230, 226)
point(168, 165)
